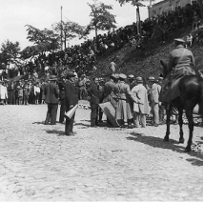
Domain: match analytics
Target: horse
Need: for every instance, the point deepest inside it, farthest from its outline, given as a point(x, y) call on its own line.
point(191, 94)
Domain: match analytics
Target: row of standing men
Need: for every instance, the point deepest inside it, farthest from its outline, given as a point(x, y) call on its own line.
point(130, 98)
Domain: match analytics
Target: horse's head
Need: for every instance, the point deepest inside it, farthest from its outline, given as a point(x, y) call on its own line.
point(165, 70)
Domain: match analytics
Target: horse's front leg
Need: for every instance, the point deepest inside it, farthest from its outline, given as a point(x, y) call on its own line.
point(180, 122)
point(191, 128)
point(168, 115)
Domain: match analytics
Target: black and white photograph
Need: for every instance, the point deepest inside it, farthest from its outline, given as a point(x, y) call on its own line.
point(101, 101)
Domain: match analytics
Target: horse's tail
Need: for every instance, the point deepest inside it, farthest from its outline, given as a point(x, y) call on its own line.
point(201, 99)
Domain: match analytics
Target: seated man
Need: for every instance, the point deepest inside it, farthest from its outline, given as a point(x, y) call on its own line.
point(181, 63)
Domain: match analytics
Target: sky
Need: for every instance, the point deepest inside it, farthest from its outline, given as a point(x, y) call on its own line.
point(16, 14)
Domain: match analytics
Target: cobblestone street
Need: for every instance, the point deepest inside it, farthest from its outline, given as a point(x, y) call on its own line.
point(38, 163)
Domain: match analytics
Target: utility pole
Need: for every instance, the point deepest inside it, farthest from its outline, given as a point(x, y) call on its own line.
point(61, 31)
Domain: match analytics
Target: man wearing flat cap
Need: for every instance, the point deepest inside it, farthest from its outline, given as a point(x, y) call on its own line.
point(71, 99)
point(181, 63)
point(51, 98)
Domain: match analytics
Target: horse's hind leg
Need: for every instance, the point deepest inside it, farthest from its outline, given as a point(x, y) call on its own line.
point(168, 115)
point(191, 128)
point(180, 121)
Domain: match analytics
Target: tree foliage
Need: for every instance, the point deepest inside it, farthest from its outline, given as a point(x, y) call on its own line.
point(133, 2)
point(101, 18)
point(9, 52)
point(45, 40)
point(68, 30)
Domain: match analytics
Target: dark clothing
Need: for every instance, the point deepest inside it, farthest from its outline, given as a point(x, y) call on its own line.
point(51, 114)
point(101, 98)
point(93, 93)
point(71, 99)
point(61, 85)
point(51, 93)
point(11, 94)
point(109, 93)
point(181, 63)
point(51, 98)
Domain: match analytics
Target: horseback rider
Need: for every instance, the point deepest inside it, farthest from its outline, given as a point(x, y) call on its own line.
point(181, 63)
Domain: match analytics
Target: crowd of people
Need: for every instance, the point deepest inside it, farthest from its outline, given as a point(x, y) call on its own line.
point(131, 100)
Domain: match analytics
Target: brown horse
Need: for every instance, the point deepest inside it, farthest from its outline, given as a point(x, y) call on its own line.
point(191, 94)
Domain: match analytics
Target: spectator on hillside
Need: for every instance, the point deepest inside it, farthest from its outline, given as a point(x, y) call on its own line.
point(189, 40)
point(112, 67)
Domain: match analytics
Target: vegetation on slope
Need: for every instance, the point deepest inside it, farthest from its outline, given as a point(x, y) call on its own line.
point(147, 62)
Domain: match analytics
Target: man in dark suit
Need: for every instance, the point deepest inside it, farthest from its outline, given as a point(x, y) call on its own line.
point(71, 99)
point(51, 98)
point(61, 84)
point(94, 101)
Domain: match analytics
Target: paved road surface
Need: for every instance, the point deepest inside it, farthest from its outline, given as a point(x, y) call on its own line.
point(38, 163)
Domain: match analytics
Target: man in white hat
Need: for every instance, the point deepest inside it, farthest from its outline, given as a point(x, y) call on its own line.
point(141, 106)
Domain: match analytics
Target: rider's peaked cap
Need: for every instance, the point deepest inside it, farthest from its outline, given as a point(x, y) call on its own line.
point(179, 40)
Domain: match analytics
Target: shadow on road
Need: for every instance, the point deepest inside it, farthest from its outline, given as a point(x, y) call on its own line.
point(82, 124)
point(171, 145)
point(56, 132)
point(195, 162)
point(39, 123)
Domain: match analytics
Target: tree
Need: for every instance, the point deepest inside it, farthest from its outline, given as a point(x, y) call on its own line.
point(9, 52)
point(136, 3)
point(102, 19)
point(68, 30)
point(45, 40)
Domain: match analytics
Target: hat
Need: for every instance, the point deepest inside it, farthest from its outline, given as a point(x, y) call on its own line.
point(116, 75)
point(151, 79)
point(139, 79)
point(101, 80)
point(87, 81)
point(52, 77)
point(70, 74)
point(131, 76)
point(112, 76)
point(122, 76)
point(83, 75)
point(179, 40)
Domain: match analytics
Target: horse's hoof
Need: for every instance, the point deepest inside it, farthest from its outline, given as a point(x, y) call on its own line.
point(188, 149)
point(166, 139)
point(181, 140)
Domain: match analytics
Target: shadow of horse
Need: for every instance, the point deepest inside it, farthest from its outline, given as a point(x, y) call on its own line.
point(157, 142)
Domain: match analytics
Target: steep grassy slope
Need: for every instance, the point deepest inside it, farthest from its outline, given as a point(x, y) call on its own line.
point(146, 63)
